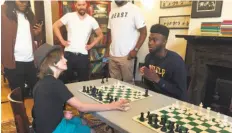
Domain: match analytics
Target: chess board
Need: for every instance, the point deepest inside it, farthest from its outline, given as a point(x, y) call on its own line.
point(185, 118)
point(118, 91)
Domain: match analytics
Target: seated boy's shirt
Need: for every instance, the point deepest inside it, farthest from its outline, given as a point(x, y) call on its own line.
point(50, 95)
point(172, 72)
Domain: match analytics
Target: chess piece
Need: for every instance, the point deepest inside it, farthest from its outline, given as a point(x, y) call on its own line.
point(150, 119)
point(108, 96)
point(141, 117)
point(148, 114)
point(84, 89)
point(156, 126)
point(115, 99)
point(87, 91)
point(171, 127)
point(177, 128)
point(186, 130)
point(106, 79)
point(161, 121)
point(180, 130)
point(164, 129)
point(97, 91)
point(111, 99)
point(146, 93)
point(102, 80)
point(100, 95)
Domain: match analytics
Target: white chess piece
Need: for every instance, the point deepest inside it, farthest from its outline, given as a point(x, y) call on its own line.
point(208, 113)
point(218, 117)
point(225, 120)
point(173, 106)
point(200, 109)
point(177, 104)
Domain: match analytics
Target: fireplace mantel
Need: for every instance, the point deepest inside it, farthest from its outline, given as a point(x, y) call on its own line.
point(203, 50)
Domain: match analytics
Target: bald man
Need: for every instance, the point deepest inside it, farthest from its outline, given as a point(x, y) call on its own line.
point(79, 26)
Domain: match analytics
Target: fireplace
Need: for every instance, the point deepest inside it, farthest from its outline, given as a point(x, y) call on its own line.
point(209, 63)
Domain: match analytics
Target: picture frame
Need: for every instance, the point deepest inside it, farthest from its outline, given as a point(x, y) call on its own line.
point(175, 22)
point(205, 9)
point(174, 3)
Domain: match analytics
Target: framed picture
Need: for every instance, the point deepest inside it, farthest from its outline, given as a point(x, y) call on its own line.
point(175, 22)
point(204, 9)
point(174, 3)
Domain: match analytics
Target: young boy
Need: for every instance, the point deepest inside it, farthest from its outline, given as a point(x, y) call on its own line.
point(50, 95)
point(164, 69)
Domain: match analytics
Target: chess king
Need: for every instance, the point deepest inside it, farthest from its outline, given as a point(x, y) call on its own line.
point(164, 70)
point(50, 94)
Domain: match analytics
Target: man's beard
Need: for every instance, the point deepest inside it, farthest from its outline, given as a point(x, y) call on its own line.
point(81, 12)
point(156, 50)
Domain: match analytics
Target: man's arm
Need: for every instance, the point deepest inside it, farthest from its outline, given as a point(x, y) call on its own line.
point(108, 43)
point(56, 28)
point(142, 37)
point(99, 34)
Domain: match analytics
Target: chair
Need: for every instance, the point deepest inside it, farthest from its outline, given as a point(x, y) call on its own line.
point(21, 119)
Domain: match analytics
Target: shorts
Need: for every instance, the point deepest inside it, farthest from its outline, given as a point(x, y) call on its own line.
point(72, 126)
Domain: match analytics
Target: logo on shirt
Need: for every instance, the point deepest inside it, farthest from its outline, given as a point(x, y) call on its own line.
point(119, 15)
point(158, 70)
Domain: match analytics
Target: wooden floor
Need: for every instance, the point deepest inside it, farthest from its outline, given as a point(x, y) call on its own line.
point(5, 104)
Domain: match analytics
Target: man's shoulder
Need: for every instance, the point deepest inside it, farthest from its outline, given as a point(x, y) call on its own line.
point(175, 58)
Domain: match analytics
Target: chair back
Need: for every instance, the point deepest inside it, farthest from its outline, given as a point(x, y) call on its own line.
point(21, 119)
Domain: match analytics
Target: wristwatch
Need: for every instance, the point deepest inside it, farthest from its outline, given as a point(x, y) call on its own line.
point(136, 49)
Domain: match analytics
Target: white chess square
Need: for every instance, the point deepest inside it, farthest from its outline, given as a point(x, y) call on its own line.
point(211, 123)
point(172, 119)
point(198, 122)
point(182, 115)
point(191, 131)
point(204, 132)
point(202, 127)
point(171, 114)
point(215, 128)
point(185, 120)
point(194, 116)
point(188, 126)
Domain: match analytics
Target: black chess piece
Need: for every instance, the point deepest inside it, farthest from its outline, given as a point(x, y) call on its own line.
point(148, 114)
point(164, 128)
point(177, 128)
point(180, 130)
point(87, 91)
point(103, 80)
point(84, 89)
point(156, 126)
point(171, 127)
point(106, 79)
point(162, 121)
point(150, 119)
point(115, 99)
point(96, 91)
point(111, 99)
point(100, 95)
point(108, 96)
point(141, 117)
point(146, 93)
point(186, 130)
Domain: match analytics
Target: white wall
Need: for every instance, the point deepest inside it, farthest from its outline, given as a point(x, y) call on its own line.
point(195, 23)
point(152, 14)
point(48, 21)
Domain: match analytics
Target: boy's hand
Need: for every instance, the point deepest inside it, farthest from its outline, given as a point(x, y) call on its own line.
point(122, 105)
point(68, 115)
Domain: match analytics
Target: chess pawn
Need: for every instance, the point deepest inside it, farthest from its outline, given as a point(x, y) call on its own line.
point(148, 114)
point(141, 116)
point(84, 89)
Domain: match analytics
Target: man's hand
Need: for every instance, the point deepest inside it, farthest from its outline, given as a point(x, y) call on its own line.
point(65, 43)
point(132, 54)
point(151, 75)
point(141, 70)
point(88, 47)
point(37, 28)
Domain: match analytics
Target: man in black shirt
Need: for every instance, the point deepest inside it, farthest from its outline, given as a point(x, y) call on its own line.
point(164, 70)
point(50, 95)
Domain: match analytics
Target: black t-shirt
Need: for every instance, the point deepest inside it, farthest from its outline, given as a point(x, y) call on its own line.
point(50, 95)
point(171, 69)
